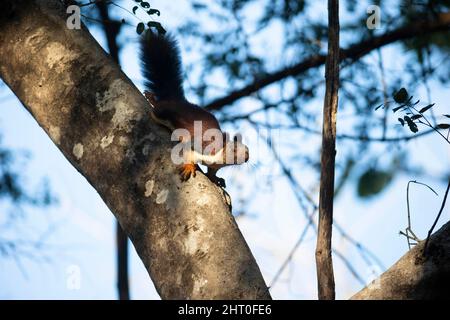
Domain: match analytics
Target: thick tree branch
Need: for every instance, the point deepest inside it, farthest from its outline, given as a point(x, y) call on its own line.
point(354, 52)
point(183, 232)
point(325, 275)
point(416, 276)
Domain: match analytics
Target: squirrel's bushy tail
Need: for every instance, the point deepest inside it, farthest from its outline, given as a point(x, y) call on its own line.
point(161, 64)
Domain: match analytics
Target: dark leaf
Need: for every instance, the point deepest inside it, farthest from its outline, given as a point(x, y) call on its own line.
point(401, 121)
point(145, 5)
point(398, 108)
point(157, 26)
point(198, 6)
point(416, 116)
point(401, 96)
point(378, 107)
point(134, 9)
point(443, 126)
point(424, 109)
point(154, 11)
point(372, 182)
point(412, 126)
point(447, 115)
point(140, 28)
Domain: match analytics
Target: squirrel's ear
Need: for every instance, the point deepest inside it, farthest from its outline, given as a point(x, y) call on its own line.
point(237, 138)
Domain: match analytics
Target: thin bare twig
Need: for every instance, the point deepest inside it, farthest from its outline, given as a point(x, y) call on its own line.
point(427, 123)
point(385, 94)
point(349, 266)
point(293, 250)
point(338, 136)
point(297, 189)
point(437, 218)
point(93, 2)
point(408, 233)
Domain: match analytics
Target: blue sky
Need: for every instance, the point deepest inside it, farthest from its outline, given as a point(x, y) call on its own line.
point(83, 234)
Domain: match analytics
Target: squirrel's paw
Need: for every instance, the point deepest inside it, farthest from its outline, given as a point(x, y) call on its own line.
point(218, 181)
point(187, 170)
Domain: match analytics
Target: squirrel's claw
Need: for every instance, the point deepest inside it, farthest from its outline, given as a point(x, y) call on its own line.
point(219, 181)
point(211, 174)
point(187, 170)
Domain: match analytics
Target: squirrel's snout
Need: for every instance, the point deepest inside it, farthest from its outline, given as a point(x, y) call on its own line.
point(241, 154)
point(247, 154)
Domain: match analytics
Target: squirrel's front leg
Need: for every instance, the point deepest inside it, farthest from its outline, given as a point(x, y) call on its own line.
point(211, 174)
point(187, 170)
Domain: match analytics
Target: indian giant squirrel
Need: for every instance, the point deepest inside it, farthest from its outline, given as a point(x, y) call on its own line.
point(162, 70)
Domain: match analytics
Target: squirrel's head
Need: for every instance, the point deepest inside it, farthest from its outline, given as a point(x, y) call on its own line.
point(235, 151)
point(228, 152)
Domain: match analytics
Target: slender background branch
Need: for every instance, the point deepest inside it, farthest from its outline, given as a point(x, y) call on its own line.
point(325, 275)
point(352, 53)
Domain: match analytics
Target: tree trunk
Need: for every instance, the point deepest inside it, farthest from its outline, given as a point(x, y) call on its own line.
point(183, 232)
point(416, 276)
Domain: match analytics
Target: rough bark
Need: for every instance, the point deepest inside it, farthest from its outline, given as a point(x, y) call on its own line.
point(416, 276)
point(324, 261)
point(112, 30)
point(183, 232)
